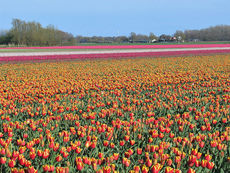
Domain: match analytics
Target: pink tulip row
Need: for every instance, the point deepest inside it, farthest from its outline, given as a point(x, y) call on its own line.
point(126, 46)
point(112, 55)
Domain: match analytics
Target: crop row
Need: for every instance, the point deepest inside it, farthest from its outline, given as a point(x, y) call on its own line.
point(111, 55)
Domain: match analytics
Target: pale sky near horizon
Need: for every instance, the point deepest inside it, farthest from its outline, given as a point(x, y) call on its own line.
point(117, 17)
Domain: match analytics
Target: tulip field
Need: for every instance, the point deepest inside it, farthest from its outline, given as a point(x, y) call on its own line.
point(157, 115)
point(124, 46)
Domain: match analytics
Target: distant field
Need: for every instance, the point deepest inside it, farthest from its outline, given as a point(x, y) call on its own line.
point(110, 47)
point(166, 43)
point(42, 50)
point(51, 50)
point(108, 51)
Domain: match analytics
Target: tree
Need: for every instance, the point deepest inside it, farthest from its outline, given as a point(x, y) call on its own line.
point(121, 39)
point(133, 37)
point(152, 37)
point(6, 38)
point(180, 36)
point(16, 31)
point(164, 37)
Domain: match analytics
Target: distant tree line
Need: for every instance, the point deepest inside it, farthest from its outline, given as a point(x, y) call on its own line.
point(216, 33)
point(34, 34)
point(133, 38)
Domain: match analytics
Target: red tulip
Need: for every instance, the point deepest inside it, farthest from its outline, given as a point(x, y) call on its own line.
point(2, 160)
point(46, 168)
point(112, 145)
point(32, 155)
point(58, 158)
point(14, 170)
point(190, 170)
point(177, 159)
point(177, 171)
point(156, 168)
point(126, 162)
point(106, 169)
point(208, 157)
point(204, 163)
point(198, 156)
point(93, 144)
point(40, 153)
point(100, 155)
point(132, 142)
point(148, 163)
point(197, 163)
point(136, 168)
point(2, 151)
point(32, 170)
point(27, 163)
point(65, 154)
point(15, 154)
point(11, 163)
point(169, 162)
point(213, 143)
point(46, 154)
point(51, 168)
point(171, 135)
point(126, 137)
point(210, 165)
point(22, 161)
point(122, 143)
point(78, 150)
point(194, 152)
point(169, 170)
point(144, 169)
point(80, 166)
point(224, 120)
point(116, 156)
point(139, 151)
point(201, 144)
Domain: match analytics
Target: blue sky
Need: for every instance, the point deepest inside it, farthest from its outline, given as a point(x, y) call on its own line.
point(117, 17)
